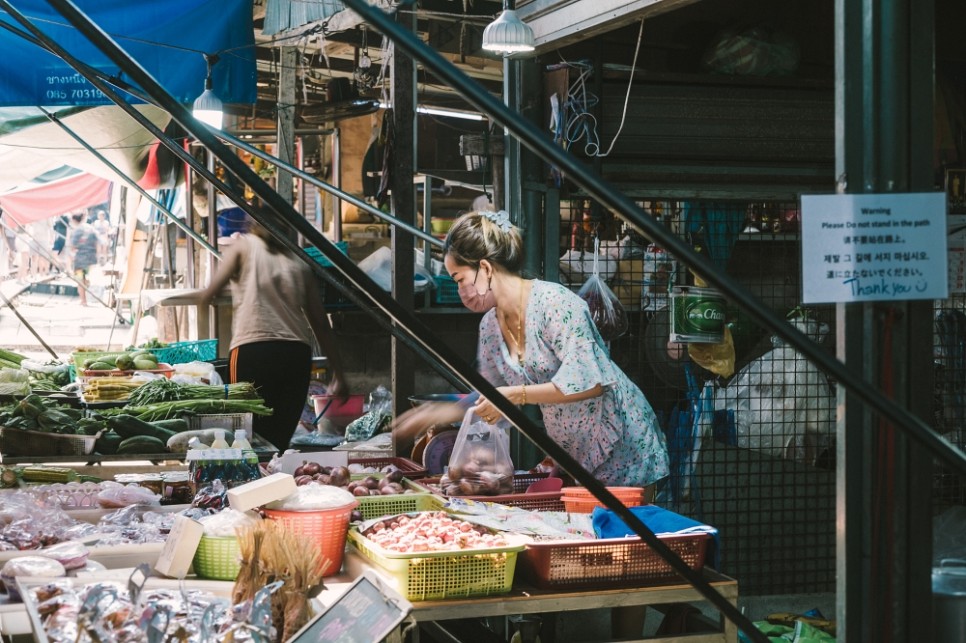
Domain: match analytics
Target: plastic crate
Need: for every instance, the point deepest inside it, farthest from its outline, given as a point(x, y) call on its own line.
point(536, 501)
point(200, 350)
point(218, 558)
point(378, 506)
point(580, 500)
point(446, 292)
point(609, 562)
point(321, 259)
point(17, 442)
point(79, 357)
point(408, 467)
point(428, 576)
point(228, 421)
point(332, 297)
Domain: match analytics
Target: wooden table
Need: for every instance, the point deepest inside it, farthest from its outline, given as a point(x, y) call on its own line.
point(529, 600)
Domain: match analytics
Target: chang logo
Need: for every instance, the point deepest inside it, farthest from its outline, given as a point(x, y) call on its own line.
point(705, 316)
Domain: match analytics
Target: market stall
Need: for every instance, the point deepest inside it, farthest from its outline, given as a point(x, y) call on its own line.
point(450, 557)
point(147, 458)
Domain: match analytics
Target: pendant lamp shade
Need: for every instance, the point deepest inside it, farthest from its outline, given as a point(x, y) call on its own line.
point(208, 109)
point(508, 34)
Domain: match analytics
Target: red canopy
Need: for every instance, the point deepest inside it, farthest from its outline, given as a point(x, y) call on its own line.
point(55, 198)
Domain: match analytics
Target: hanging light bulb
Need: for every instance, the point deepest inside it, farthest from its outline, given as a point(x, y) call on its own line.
point(208, 107)
point(508, 34)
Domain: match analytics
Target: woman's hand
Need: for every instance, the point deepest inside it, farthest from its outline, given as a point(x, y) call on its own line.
point(490, 414)
point(412, 423)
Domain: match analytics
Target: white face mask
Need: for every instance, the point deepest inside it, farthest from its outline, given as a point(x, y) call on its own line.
point(474, 300)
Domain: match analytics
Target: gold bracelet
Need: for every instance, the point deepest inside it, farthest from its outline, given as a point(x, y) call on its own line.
point(524, 394)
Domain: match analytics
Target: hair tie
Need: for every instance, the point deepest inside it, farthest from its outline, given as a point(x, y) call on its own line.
point(501, 219)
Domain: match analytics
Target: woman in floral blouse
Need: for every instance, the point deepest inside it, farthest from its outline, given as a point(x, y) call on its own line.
point(538, 345)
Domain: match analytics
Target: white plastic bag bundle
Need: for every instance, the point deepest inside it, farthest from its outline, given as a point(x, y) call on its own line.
point(378, 266)
point(783, 405)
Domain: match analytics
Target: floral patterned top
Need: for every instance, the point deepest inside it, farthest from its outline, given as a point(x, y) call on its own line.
point(615, 436)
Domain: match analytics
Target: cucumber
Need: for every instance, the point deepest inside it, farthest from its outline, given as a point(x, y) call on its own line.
point(142, 444)
point(128, 426)
point(175, 424)
point(108, 443)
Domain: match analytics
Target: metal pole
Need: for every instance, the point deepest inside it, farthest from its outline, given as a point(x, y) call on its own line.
point(331, 189)
point(23, 321)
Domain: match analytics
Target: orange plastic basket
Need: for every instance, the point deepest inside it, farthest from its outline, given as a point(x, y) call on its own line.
point(580, 501)
point(328, 528)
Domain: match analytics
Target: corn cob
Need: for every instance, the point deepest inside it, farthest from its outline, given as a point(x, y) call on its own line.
point(48, 474)
point(108, 388)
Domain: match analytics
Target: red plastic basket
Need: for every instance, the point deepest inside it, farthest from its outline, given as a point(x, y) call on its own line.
point(580, 501)
point(607, 562)
point(536, 501)
point(328, 528)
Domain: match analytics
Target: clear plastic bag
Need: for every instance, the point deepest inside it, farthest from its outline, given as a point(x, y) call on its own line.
point(375, 419)
point(606, 310)
point(480, 463)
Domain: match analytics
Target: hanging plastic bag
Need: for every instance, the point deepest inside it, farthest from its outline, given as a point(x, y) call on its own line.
point(373, 421)
point(606, 310)
point(480, 463)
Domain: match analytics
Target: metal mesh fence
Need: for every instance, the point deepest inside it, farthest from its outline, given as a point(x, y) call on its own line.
point(750, 431)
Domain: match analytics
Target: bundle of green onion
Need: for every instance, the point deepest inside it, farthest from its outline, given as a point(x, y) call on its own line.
point(187, 408)
point(165, 390)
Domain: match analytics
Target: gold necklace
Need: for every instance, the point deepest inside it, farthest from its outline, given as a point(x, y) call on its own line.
point(518, 338)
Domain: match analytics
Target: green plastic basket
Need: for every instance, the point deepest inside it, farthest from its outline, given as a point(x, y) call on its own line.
point(199, 350)
point(400, 503)
point(218, 558)
point(438, 575)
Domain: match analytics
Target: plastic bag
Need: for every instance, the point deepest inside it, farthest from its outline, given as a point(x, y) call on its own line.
point(753, 52)
point(783, 405)
point(480, 463)
point(605, 308)
point(375, 419)
point(378, 266)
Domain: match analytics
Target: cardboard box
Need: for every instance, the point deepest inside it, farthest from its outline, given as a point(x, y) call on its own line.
point(261, 492)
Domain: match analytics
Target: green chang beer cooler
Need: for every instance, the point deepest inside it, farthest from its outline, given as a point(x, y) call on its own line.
point(697, 315)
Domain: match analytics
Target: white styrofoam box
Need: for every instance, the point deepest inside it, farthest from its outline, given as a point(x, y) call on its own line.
point(179, 549)
point(261, 492)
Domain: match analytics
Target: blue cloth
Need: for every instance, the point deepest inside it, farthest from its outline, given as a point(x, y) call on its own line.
point(607, 524)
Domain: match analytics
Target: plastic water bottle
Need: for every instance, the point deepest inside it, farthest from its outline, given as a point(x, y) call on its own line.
point(241, 440)
point(219, 442)
point(195, 444)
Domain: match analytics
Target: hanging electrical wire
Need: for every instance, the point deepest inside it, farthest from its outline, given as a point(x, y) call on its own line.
point(627, 96)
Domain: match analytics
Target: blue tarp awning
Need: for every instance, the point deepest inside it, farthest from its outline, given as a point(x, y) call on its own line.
point(169, 38)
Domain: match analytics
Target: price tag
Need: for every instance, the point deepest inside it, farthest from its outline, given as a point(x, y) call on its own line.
point(369, 610)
